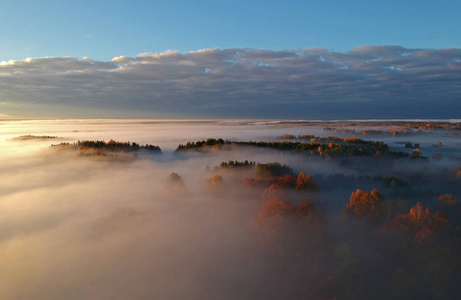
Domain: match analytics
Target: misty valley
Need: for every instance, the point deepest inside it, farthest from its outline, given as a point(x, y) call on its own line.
point(230, 209)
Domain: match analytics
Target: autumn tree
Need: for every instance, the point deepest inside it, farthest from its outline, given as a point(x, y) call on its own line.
point(214, 183)
point(368, 206)
point(450, 205)
point(253, 182)
point(274, 191)
point(286, 181)
point(305, 183)
point(276, 209)
point(418, 225)
point(280, 226)
point(447, 200)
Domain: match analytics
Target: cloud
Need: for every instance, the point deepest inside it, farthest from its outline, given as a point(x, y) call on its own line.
point(5, 116)
point(122, 59)
point(367, 81)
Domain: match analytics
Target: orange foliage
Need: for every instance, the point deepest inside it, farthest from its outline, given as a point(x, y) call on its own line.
point(306, 209)
point(419, 225)
point(288, 136)
point(287, 181)
point(276, 208)
point(274, 191)
point(252, 181)
point(366, 205)
point(307, 136)
point(84, 150)
point(447, 199)
point(356, 140)
point(120, 144)
point(305, 182)
point(416, 153)
point(418, 215)
point(215, 182)
point(426, 236)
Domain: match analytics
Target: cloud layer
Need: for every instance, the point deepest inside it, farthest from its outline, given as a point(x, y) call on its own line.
point(366, 82)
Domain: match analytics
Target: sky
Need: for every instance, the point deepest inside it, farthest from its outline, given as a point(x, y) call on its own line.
point(86, 39)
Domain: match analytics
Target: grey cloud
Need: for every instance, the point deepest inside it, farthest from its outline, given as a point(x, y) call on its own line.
point(391, 80)
point(390, 50)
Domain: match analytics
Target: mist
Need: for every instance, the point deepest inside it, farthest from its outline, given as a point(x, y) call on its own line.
point(77, 227)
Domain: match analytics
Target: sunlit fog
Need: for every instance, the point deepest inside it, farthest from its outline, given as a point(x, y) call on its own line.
point(230, 209)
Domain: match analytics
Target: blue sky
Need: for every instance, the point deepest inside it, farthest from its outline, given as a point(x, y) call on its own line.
point(105, 29)
point(230, 59)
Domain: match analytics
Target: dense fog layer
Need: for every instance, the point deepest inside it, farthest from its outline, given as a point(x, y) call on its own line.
point(74, 227)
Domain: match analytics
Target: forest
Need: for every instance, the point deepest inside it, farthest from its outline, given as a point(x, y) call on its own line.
point(346, 147)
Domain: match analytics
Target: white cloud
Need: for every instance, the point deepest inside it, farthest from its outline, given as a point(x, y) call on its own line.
point(122, 59)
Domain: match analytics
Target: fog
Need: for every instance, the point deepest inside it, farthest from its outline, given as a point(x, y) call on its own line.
point(74, 227)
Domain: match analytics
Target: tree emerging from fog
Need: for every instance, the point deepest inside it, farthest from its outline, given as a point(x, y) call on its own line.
point(280, 226)
point(305, 183)
point(419, 225)
point(365, 205)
